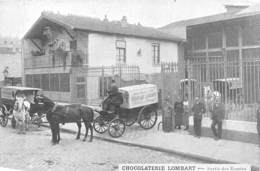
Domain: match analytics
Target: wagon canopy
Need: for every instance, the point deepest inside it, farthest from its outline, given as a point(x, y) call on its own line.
point(139, 95)
point(8, 92)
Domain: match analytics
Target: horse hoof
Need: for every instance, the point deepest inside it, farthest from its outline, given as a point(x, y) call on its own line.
point(54, 143)
point(84, 139)
point(90, 141)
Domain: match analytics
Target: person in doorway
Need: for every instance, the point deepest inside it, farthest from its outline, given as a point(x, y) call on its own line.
point(186, 112)
point(178, 109)
point(198, 110)
point(217, 116)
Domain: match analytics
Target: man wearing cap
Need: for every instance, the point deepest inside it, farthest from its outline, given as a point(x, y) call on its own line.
point(178, 109)
point(198, 109)
point(217, 115)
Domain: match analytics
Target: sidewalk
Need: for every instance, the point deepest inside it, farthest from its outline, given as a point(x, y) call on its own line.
point(183, 143)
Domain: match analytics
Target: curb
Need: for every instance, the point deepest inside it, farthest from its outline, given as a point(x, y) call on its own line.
point(164, 150)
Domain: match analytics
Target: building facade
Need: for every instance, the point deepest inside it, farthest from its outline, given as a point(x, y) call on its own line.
point(224, 47)
point(62, 53)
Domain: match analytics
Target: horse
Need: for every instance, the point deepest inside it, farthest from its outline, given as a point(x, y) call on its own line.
point(21, 113)
point(57, 114)
point(211, 97)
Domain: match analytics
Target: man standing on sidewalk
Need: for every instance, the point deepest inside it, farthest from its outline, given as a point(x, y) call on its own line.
point(217, 115)
point(178, 109)
point(186, 113)
point(198, 109)
point(258, 122)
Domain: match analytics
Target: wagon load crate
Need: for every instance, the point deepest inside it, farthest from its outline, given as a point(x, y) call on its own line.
point(139, 95)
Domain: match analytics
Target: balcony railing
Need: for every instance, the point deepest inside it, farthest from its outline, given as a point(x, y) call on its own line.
point(50, 61)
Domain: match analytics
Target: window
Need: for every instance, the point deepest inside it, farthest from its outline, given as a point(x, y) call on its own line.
point(54, 80)
point(120, 51)
point(29, 80)
point(73, 45)
point(232, 36)
point(215, 40)
point(198, 42)
point(156, 53)
point(80, 87)
point(37, 80)
point(251, 35)
point(49, 82)
point(45, 80)
point(65, 82)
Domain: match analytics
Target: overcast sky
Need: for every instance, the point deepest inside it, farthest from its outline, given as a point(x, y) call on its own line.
point(17, 16)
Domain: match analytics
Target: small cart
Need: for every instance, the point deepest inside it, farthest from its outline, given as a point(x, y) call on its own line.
point(140, 104)
point(7, 100)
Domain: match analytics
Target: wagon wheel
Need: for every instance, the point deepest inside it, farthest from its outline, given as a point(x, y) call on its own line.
point(147, 117)
point(116, 128)
point(100, 125)
point(3, 116)
point(13, 122)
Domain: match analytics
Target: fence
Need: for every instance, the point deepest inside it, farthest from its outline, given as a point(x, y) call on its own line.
point(237, 82)
point(92, 84)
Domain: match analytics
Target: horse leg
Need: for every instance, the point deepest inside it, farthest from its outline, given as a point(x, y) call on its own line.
point(79, 130)
point(91, 131)
point(58, 133)
point(23, 127)
point(27, 123)
point(86, 133)
point(54, 133)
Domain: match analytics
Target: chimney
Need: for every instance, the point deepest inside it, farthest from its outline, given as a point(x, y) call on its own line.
point(235, 8)
point(124, 21)
point(105, 18)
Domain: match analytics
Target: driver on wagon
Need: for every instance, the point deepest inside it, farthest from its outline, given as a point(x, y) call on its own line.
point(112, 103)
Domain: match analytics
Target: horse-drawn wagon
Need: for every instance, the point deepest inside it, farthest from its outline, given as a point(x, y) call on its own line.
point(8, 96)
point(140, 103)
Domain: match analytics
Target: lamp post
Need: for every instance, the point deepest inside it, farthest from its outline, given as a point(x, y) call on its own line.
point(6, 72)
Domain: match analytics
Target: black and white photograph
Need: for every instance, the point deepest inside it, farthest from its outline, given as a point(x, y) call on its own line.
point(130, 85)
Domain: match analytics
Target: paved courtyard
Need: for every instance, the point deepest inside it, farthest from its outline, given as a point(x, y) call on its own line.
point(34, 151)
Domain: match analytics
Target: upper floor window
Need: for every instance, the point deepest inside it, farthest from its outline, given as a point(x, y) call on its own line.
point(73, 45)
point(156, 53)
point(120, 51)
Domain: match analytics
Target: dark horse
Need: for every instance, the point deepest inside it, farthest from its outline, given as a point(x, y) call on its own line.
point(57, 114)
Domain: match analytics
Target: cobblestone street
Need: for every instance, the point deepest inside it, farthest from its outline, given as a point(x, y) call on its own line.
point(34, 151)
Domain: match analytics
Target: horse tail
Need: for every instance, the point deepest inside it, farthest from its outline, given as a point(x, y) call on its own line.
point(87, 114)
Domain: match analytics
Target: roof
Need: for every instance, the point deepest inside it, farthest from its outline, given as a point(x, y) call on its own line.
point(22, 88)
point(249, 11)
point(74, 22)
point(228, 79)
point(138, 88)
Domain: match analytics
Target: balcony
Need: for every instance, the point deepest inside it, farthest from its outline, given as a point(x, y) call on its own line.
point(47, 61)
